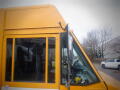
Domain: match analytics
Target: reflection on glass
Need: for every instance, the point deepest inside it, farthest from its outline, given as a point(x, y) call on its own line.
point(81, 71)
point(51, 60)
point(30, 59)
point(64, 67)
point(8, 59)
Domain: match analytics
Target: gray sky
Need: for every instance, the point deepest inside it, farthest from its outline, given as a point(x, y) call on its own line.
point(81, 15)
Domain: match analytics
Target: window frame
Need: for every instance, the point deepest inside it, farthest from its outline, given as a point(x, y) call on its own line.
point(118, 60)
point(111, 61)
point(33, 84)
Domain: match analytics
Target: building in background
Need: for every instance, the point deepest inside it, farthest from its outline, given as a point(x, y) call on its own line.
point(113, 48)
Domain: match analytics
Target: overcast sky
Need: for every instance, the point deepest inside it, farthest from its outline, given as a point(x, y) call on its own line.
point(82, 15)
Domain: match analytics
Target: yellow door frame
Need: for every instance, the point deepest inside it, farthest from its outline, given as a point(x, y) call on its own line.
point(1, 44)
point(31, 84)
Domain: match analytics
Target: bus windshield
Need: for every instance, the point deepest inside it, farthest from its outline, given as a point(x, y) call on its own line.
point(81, 71)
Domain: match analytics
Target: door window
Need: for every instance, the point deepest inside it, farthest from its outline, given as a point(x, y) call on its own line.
point(26, 60)
point(64, 57)
point(9, 59)
point(51, 60)
point(30, 59)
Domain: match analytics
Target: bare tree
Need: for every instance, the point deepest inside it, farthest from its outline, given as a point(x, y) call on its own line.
point(91, 43)
point(104, 35)
point(96, 42)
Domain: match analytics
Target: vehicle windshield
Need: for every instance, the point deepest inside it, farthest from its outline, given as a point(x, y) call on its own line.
point(81, 71)
point(109, 60)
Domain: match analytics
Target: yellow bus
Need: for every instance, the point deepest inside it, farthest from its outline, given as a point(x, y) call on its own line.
point(39, 52)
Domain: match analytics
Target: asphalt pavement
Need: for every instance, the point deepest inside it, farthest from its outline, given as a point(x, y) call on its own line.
point(110, 76)
point(111, 72)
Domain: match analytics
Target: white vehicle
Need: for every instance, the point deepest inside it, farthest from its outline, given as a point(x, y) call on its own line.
point(114, 64)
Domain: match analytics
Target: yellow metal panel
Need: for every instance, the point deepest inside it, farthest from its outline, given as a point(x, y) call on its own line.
point(97, 86)
point(1, 19)
point(3, 61)
point(31, 85)
point(34, 31)
point(13, 52)
point(0, 60)
point(46, 67)
point(30, 36)
point(33, 17)
point(1, 39)
point(57, 58)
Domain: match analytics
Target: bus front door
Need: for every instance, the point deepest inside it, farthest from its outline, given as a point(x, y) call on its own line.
point(82, 74)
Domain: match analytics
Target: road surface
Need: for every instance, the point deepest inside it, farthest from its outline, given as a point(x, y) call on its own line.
point(111, 77)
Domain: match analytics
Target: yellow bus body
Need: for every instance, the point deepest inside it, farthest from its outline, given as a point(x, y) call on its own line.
point(36, 21)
